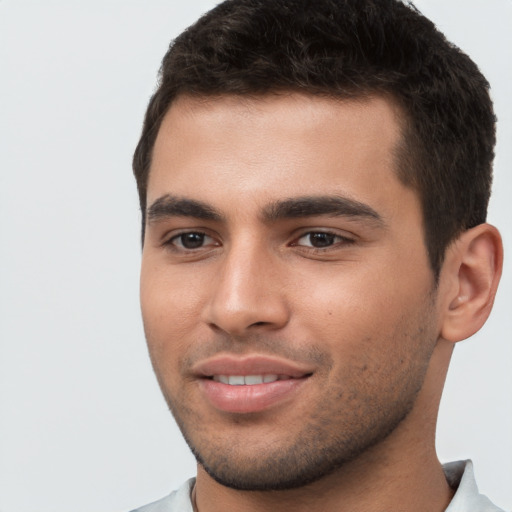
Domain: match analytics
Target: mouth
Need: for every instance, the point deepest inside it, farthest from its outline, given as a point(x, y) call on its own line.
point(248, 380)
point(250, 384)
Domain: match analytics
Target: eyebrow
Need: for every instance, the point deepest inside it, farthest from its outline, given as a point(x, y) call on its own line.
point(297, 207)
point(174, 206)
point(308, 206)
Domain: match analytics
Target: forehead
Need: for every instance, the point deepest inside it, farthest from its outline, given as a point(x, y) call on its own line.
point(268, 147)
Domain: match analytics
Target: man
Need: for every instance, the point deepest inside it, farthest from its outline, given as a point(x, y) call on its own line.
point(314, 179)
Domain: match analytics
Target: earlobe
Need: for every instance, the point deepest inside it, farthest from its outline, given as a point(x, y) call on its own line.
point(473, 267)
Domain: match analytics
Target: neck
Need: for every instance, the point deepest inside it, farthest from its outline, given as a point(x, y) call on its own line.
point(400, 473)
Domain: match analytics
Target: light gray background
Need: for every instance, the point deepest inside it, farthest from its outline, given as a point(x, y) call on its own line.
point(82, 425)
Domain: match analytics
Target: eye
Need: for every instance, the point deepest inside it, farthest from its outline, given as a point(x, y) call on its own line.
point(191, 240)
point(321, 239)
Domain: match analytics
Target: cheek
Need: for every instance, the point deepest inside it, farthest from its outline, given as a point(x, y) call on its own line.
point(170, 311)
point(353, 307)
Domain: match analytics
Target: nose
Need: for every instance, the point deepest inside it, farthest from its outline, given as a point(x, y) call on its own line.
point(248, 293)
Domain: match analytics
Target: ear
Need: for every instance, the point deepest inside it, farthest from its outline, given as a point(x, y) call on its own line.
point(470, 275)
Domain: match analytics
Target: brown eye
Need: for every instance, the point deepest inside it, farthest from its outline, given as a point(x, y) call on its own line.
point(321, 240)
point(192, 240)
point(318, 239)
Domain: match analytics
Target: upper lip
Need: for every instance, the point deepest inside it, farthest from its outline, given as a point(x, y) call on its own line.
point(250, 365)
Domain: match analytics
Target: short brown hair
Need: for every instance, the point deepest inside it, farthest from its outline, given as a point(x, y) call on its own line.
point(349, 48)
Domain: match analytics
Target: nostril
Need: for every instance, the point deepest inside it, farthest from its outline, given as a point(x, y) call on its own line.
point(236, 313)
point(257, 324)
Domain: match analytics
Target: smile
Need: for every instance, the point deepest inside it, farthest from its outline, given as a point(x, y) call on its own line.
point(251, 383)
point(248, 380)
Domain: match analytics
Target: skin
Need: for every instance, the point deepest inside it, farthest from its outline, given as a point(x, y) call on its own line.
point(360, 313)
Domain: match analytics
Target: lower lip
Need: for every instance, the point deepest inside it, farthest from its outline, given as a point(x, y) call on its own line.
point(247, 399)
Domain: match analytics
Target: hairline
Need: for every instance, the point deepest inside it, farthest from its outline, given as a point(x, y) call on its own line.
point(404, 154)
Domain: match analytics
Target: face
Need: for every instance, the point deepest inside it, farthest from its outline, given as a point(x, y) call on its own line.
point(286, 292)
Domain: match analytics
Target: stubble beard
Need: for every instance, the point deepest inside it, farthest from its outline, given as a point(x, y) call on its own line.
point(305, 462)
point(345, 424)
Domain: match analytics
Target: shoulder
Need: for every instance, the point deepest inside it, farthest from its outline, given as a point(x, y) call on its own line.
point(467, 498)
point(177, 501)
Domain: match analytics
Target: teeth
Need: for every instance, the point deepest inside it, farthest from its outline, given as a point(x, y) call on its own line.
point(253, 379)
point(247, 380)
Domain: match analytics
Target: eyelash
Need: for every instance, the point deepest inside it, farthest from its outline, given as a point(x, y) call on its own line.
point(171, 242)
point(335, 240)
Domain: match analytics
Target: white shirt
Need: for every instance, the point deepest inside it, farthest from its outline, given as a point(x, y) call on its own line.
point(459, 475)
